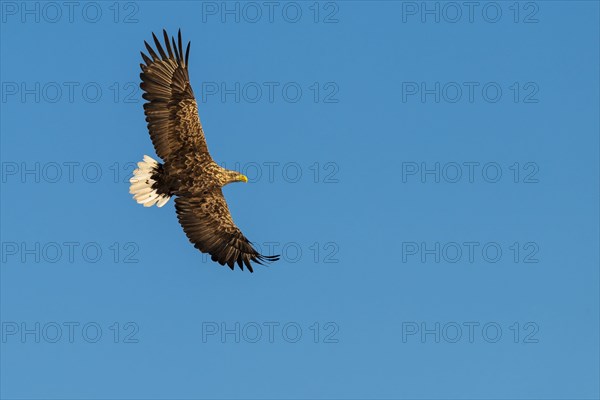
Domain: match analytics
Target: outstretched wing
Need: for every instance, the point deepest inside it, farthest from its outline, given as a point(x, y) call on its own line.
point(171, 110)
point(206, 221)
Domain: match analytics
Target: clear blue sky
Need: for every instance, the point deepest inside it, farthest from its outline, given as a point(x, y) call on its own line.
point(429, 171)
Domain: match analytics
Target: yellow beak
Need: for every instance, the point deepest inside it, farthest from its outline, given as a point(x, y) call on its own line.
point(243, 178)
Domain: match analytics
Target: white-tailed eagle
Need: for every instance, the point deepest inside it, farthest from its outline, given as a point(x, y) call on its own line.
point(188, 171)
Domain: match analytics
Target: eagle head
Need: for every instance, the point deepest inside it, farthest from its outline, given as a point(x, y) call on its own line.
point(230, 176)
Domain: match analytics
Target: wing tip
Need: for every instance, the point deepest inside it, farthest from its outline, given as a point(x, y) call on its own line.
point(175, 52)
point(265, 260)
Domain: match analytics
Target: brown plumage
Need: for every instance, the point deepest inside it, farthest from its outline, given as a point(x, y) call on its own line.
point(188, 171)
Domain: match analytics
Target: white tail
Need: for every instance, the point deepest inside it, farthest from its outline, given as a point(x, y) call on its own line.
point(142, 182)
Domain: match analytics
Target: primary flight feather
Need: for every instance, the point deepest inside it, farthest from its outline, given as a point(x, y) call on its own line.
point(188, 171)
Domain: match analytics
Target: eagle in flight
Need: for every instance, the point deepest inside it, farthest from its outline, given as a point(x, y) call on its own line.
point(188, 171)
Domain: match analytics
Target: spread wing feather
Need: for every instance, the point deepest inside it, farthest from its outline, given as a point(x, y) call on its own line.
point(208, 225)
point(171, 110)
